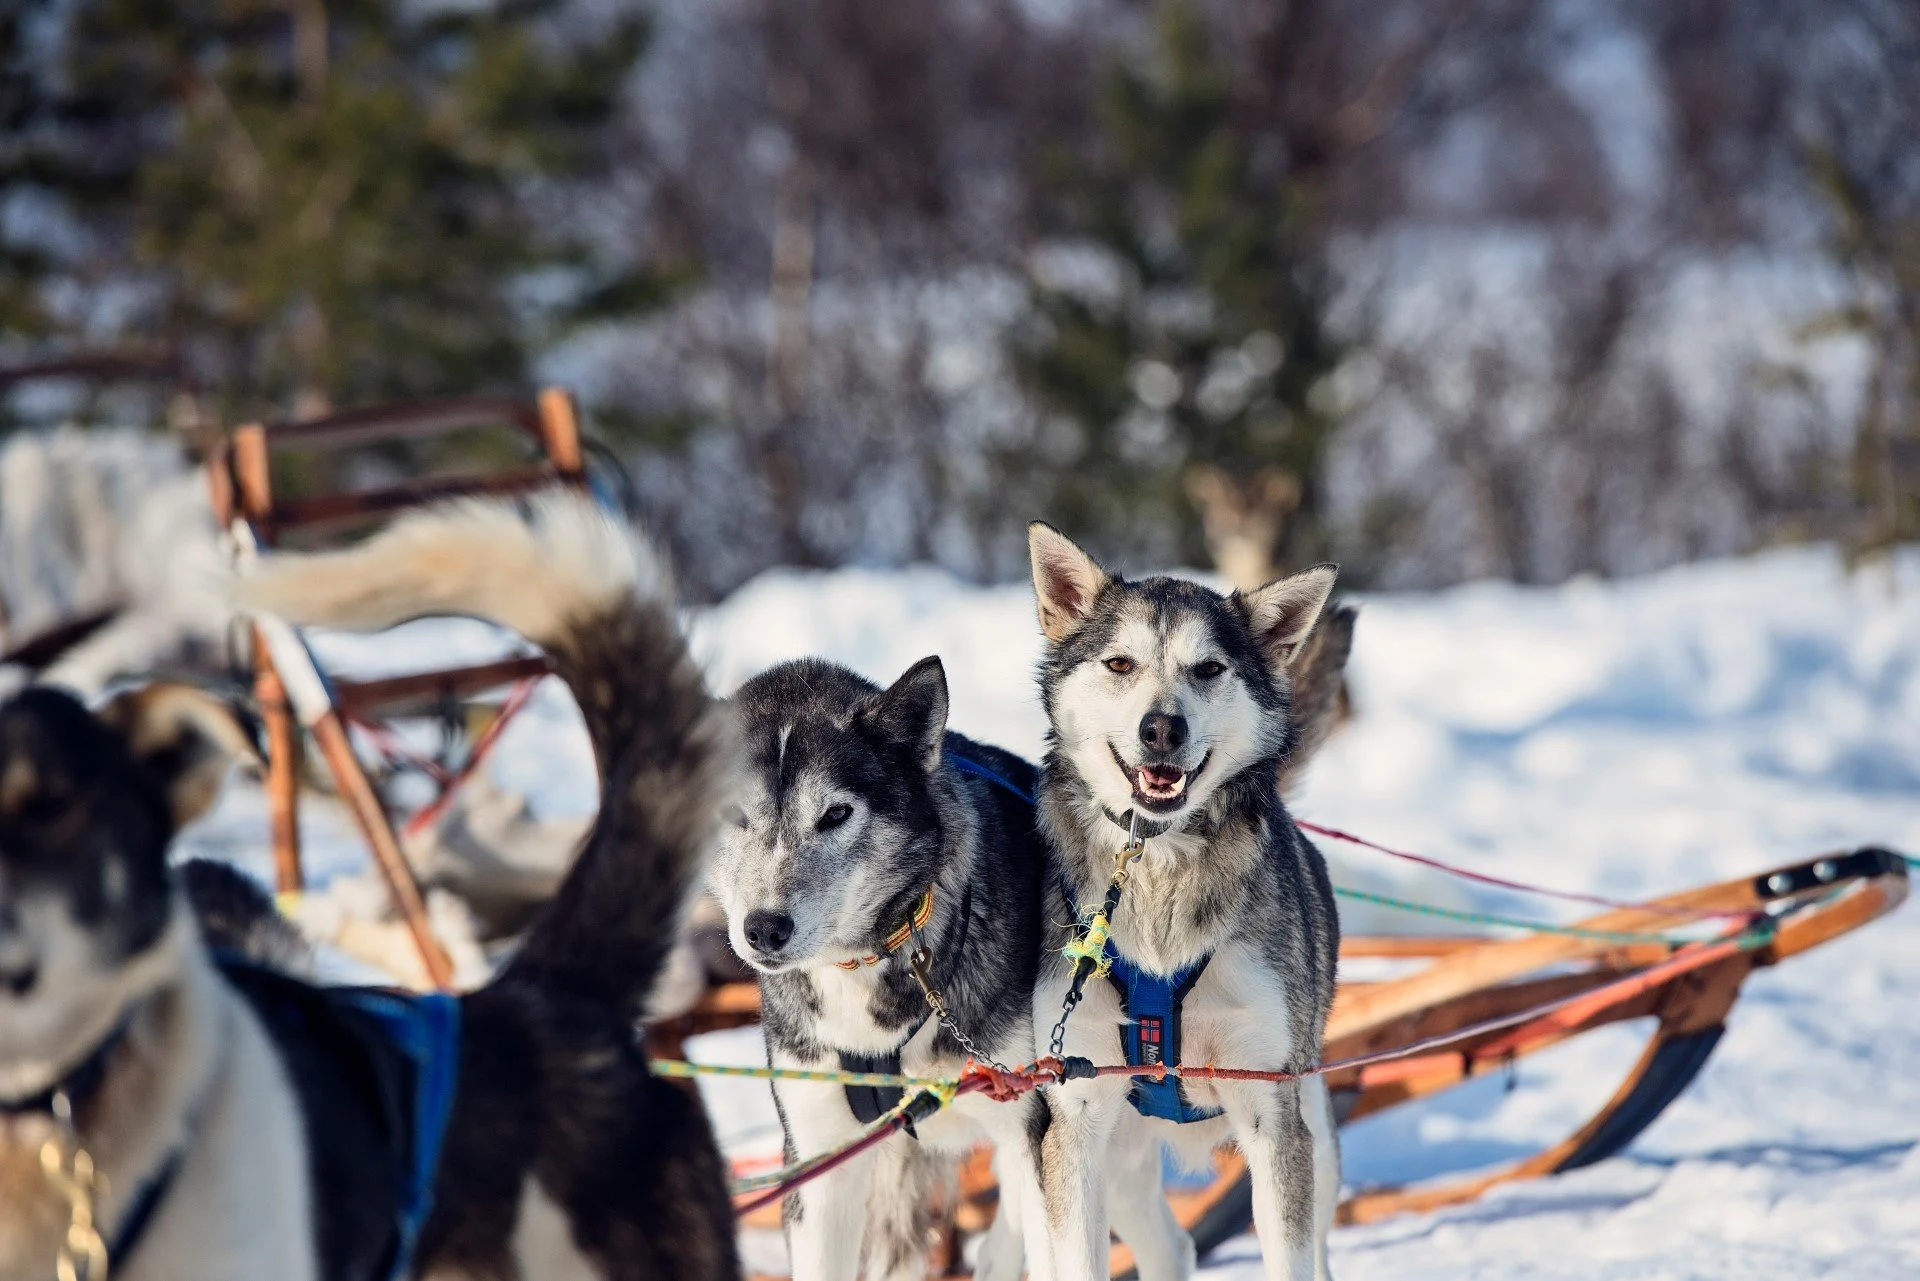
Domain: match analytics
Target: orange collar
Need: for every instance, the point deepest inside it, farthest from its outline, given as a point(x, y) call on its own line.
point(922, 913)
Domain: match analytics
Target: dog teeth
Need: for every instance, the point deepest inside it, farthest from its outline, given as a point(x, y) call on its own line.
point(1152, 786)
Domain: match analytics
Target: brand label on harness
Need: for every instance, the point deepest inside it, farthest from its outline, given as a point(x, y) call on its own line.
point(1152, 1038)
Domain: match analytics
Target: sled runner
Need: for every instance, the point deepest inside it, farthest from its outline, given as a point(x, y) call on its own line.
point(1476, 1005)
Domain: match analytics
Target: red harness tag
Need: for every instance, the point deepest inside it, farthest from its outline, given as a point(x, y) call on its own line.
point(1152, 1038)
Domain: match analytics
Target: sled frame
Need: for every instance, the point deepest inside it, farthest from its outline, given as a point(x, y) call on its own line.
point(297, 699)
point(1468, 981)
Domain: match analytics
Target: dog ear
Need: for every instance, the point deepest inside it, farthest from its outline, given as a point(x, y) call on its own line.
point(1282, 613)
point(186, 739)
point(913, 711)
point(1066, 580)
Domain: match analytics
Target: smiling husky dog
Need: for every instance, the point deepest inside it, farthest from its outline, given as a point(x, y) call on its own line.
point(242, 1129)
point(861, 829)
point(1168, 707)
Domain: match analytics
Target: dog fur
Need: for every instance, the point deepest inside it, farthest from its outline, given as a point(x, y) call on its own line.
point(1171, 702)
point(564, 1157)
point(1319, 702)
point(849, 806)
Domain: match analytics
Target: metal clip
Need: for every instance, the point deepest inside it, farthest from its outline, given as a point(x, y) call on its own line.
point(1136, 846)
point(69, 1167)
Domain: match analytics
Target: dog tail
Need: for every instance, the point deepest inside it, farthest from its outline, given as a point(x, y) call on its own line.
point(236, 915)
point(596, 597)
point(1320, 702)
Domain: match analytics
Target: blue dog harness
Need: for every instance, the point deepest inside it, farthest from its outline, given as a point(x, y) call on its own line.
point(401, 1052)
point(1151, 1034)
point(425, 1028)
point(1152, 1004)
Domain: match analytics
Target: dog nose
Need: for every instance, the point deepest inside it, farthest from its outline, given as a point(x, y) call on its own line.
point(1162, 733)
point(20, 981)
point(768, 931)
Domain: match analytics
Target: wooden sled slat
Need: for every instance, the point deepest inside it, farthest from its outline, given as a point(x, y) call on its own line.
point(1689, 1009)
point(1690, 992)
point(421, 692)
point(1493, 963)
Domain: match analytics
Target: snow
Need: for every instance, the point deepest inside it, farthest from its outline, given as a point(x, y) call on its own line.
point(1626, 739)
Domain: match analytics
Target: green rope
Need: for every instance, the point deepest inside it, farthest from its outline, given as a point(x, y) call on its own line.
point(1511, 922)
point(883, 1080)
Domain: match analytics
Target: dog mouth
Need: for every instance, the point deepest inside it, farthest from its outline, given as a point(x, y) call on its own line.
point(1159, 786)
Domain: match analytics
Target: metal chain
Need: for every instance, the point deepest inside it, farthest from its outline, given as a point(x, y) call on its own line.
point(1084, 967)
point(69, 1167)
point(920, 965)
point(1057, 1047)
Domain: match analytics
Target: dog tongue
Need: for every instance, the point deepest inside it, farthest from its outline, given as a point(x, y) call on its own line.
point(1161, 778)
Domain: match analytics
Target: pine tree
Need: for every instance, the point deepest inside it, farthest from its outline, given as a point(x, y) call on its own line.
point(1184, 384)
point(309, 202)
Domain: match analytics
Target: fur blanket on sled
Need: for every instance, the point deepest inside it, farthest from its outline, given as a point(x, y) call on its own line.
point(110, 524)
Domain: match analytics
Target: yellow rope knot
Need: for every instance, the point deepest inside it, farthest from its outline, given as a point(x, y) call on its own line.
point(1092, 945)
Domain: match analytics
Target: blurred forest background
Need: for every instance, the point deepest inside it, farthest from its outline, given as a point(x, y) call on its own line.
point(1437, 288)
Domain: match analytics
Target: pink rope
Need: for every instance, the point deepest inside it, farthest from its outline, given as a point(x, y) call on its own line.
point(1501, 882)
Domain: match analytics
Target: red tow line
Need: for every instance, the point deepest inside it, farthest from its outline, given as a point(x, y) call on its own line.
point(1562, 1014)
point(1501, 882)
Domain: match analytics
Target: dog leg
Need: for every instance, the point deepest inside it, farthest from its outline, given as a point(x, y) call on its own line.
point(1020, 1227)
point(1162, 1249)
point(907, 1178)
point(825, 1219)
point(1316, 1106)
point(1081, 1120)
point(1279, 1148)
point(826, 1222)
point(1002, 1249)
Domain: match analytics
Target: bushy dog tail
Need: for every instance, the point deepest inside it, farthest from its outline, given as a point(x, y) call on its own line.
point(1320, 704)
point(596, 597)
point(236, 915)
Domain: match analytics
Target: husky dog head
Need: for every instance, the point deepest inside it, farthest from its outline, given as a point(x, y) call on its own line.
point(88, 805)
point(833, 831)
point(1159, 692)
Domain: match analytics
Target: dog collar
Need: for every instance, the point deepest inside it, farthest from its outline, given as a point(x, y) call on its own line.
point(1147, 828)
point(916, 920)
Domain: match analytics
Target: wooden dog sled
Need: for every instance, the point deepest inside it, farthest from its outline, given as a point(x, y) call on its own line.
point(1476, 1005)
point(1469, 1005)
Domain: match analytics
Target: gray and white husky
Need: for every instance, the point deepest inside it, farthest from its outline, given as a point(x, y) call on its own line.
point(855, 804)
point(1167, 706)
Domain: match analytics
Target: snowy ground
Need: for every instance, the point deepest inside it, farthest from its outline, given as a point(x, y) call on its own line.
point(1626, 739)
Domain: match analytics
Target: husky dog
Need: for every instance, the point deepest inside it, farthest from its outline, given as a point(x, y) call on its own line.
point(857, 815)
point(240, 1129)
point(1168, 716)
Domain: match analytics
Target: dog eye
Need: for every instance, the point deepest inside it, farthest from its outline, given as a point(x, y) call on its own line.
point(735, 815)
point(42, 809)
point(835, 816)
point(1208, 670)
point(1120, 664)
